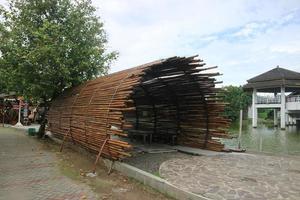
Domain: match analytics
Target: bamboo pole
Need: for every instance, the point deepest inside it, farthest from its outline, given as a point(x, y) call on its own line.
point(117, 105)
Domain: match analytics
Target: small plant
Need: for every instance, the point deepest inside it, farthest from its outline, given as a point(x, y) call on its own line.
point(156, 174)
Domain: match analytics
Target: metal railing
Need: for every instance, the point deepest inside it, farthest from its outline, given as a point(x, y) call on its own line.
point(268, 100)
point(294, 98)
point(276, 100)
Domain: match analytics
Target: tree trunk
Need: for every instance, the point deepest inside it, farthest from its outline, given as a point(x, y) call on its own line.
point(43, 121)
point(41, 132)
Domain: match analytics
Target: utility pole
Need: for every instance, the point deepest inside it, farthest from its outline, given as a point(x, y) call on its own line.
point(20, 108)
point(240, 129)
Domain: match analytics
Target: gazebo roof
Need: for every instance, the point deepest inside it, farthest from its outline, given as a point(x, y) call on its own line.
point(273, 78)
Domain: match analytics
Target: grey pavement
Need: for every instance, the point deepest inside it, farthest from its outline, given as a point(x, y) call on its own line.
point(28, 172)
point(236, 176)
point(196, 151)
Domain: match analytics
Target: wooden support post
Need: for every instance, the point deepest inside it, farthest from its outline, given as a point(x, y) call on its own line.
point(99, 154)
point(111, 167)
point(63, 142)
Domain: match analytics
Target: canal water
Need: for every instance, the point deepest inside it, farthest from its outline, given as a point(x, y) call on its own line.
point(266, 138)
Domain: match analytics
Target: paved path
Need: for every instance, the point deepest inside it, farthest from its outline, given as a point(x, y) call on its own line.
point(27, 172)
point(236, 176)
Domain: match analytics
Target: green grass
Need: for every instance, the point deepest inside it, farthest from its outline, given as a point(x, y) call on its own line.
point(156, 174)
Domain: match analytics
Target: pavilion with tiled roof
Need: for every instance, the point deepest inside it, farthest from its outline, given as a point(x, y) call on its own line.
point(277, 80)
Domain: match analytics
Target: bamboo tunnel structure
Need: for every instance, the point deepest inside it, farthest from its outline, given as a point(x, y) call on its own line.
point(172, 99)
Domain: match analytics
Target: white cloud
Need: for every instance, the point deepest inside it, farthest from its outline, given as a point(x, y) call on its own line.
point(143, 31)
point(250, 29)
point(286, 46)
point(147, 30)
point(290, 49)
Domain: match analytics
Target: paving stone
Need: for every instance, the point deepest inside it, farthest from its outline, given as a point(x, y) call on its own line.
point(30, 173)
point(236, 176)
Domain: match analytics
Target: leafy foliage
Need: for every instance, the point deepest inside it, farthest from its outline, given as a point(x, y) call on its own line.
point(236, 99)
point(49, 45)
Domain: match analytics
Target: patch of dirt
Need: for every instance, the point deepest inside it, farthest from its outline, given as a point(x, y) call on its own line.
point(114, 186)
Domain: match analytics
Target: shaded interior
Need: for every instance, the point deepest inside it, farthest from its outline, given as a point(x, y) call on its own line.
point(170, 108)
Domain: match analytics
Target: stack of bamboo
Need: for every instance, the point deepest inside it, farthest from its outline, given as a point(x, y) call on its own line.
point(170, 97)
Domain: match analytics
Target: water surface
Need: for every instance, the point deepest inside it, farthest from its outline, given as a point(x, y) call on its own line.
point(267, 139)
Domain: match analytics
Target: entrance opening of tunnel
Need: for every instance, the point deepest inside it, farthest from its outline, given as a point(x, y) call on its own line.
point(163, 112)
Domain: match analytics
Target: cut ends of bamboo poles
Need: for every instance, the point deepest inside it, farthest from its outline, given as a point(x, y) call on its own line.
point(173, 100)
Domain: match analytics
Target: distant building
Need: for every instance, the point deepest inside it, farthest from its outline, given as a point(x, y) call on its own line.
point(284, 88)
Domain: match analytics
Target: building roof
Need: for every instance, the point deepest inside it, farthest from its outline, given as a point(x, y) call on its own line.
point(276, 77)
point(277, 73)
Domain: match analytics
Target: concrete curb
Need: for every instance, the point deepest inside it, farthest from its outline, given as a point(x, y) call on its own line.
point(198, 152)
point(153, 181)
point(24, 128)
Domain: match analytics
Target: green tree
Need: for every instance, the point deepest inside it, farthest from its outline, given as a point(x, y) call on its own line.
point(47, 46)
point(3, 85)
point(236, 100)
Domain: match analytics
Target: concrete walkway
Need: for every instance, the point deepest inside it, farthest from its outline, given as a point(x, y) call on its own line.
point(196, 151)
point(27, 172)
point(236, 176)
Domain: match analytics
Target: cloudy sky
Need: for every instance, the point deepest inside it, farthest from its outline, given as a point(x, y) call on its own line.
point(244, 38)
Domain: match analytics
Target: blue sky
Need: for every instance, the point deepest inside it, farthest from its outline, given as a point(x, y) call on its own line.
point(244, 38)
